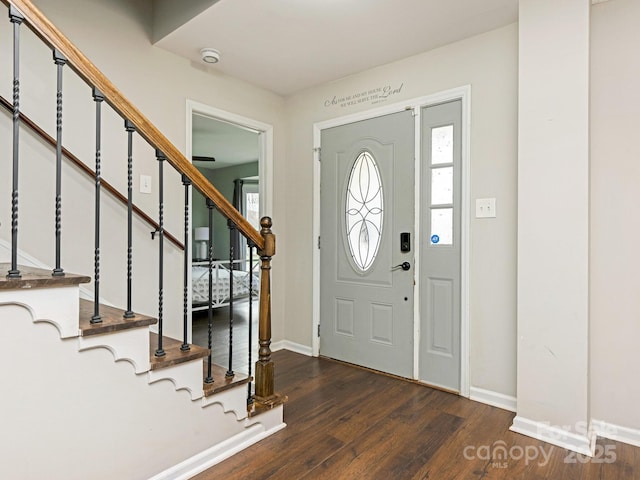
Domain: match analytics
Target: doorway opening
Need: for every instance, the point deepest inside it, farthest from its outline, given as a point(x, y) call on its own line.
point(235, 154)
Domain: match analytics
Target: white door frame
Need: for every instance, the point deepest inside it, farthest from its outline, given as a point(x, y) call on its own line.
point(461, 93)
point(265, 160)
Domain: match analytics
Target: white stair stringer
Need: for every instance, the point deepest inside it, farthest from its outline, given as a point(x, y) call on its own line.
point(95, 403)
point(131, 345)
point(184, 376)
point(59, 306)
point(231, 400)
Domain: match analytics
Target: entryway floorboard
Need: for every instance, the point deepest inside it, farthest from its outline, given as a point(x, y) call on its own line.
point(350, 423)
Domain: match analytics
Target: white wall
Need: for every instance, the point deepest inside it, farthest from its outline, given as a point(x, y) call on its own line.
point(553, 213)
point(115, 35)
point(488, 63)
point(615, 225)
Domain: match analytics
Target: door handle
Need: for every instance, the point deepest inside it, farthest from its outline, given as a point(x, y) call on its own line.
point(404, 266)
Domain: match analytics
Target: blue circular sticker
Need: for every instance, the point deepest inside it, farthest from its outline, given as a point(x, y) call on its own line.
point(435, 238)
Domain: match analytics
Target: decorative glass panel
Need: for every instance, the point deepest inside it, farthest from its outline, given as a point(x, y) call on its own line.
point(442, 145)
point(442, 186)
point(364, 211)
point(441, 226)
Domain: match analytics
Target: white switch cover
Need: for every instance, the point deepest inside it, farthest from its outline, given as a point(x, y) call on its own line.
point(485, 207)
point(145, 183)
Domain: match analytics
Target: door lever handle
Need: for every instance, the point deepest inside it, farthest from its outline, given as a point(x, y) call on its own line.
point(404, 266)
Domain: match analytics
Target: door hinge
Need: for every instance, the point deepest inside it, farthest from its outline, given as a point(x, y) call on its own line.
point(318, 329)
point(318, 151)
point(318, 242)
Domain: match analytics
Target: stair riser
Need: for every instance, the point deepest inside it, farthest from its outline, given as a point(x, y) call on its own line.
point(58, 306)
point(232, 400)
point(131, 345)
point(184, 376)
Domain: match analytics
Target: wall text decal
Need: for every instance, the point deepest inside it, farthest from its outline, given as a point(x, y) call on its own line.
point(371, 97)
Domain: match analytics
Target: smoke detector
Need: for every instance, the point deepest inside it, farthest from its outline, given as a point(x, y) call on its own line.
point(210, 55)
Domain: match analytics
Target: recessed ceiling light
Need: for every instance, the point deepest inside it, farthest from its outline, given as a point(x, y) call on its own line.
point(210, 55)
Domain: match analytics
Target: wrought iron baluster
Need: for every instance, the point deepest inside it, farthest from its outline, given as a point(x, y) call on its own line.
point(16, 18)
point(232, 267)
point(98, 98)
point(129, 128)
point(161, 158)
point(187, 183)
point(250, 333)
point(60, 62)
point(209, 378)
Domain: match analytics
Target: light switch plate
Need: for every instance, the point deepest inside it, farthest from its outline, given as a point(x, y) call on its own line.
point(145, 184)
point(485, 208)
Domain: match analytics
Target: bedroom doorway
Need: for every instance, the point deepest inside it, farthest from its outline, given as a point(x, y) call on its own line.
point(235, 154)
point(229, 156)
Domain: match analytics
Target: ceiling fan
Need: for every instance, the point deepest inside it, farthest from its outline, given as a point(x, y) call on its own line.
point(197, 158)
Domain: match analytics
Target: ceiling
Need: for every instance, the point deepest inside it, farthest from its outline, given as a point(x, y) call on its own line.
point(286, 46)
point(228, 144)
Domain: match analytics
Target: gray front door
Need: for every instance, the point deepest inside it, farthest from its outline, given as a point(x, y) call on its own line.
point(367, 220)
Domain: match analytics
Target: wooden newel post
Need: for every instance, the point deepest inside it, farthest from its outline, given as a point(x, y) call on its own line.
point(264, 365)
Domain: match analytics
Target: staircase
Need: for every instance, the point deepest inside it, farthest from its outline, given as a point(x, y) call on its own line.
point(70, 412)
point(91, 391)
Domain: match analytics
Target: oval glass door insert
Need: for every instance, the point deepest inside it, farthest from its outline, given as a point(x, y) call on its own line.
point(364, 210)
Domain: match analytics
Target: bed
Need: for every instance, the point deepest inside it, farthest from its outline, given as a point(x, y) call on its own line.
point(221, 285)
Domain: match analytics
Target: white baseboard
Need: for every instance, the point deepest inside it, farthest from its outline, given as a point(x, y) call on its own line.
point(292, 347)
point(583, 444)
point(616, 432)
point(495, 399)
point(216, 454)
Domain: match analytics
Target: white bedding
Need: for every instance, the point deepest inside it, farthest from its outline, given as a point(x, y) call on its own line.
point(220, 275)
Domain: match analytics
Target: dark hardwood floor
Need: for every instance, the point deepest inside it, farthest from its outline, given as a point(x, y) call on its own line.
point(220, 334)
point(349, 423)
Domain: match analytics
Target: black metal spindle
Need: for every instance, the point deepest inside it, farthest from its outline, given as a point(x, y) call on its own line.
point(60, 62)
point(185, 345)
point(209, 377)
point(232, 268)
point(129, 128)
point(98, 99)
point(250, 333)
point(16, 18)
point(161, 158)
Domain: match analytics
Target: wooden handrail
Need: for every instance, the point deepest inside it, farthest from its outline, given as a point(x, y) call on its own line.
point(42, 27)
point(265, 397)
point(83, 166)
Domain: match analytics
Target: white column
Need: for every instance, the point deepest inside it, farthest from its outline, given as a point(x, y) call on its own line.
point(553, 222)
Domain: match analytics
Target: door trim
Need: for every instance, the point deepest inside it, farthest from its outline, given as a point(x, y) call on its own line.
point(464, 95)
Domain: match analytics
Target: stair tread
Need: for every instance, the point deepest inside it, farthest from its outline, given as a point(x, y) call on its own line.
point(173, 354)
point(257, 408)
point(112, 320)
point(32, 277)
point(220, 381)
